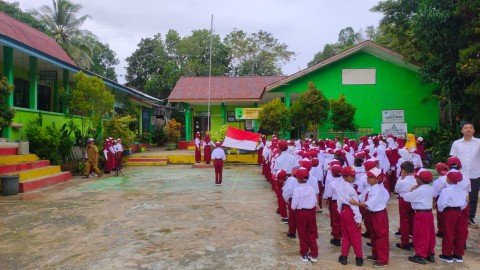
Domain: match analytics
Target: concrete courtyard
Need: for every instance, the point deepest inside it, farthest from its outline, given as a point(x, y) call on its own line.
point(171, 217)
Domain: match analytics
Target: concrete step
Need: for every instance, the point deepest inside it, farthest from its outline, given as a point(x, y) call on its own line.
point(8, 151)
point(150, 163)
point(40, 182)
point(9, 168)
point(36, 173)
point(149, 159)
point(12, 159)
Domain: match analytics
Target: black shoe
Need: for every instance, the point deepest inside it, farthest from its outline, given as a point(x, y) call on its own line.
point(291, 235)
point(417, 259)
point(359, 261)
point(439, 234)
point(447, 259)
point(398, 234)
point(457, 258)
point(285, 220)
point(368, 244)
point(378, 265)
point(335, 242)
point(342, 260)
point(431, 258)
point(372, 258)
point(404, 247)
point(85, 177)
point(278, 212)
point(366, 235)
point(472, 224)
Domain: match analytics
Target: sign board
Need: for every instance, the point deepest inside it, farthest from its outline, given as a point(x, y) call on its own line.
point(393, 116)
point(396, 129)
point(247, 113)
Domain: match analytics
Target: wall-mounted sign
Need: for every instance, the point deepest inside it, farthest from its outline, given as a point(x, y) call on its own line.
point(247, 113)
point(393, 116)
point(396, 129)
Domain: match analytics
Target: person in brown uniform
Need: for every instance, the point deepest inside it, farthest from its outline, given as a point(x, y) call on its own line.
point(92, 159)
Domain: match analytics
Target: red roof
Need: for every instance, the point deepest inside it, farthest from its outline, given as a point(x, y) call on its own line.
point(222, 89)
point(31, 37)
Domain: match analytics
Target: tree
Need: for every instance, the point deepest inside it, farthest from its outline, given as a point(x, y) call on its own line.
point(343, 114)
point(90, 100)
point(6, 112)
point(274, 117)
point(311, 106)
point(62, 22)
point(259, 54)
point(104, 61)
point(14, 11)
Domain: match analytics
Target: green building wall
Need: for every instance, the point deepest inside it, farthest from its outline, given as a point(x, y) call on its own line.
point(396, 88)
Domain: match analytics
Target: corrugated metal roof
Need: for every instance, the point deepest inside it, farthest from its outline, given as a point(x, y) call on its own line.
point(33, 38)
point(222, 89)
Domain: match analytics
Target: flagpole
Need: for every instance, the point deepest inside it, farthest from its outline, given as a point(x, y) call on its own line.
point(210, 72)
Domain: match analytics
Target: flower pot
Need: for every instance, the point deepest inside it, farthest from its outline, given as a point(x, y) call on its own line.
point(171, 146)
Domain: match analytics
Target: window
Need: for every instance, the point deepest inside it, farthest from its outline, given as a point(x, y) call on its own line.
point(21, 93)
point(359, 76)
point(231, 117)
point(365, 131)
point(44, 95)
point(421, 130)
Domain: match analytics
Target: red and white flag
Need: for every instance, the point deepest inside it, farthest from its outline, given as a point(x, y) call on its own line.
point(241, 139)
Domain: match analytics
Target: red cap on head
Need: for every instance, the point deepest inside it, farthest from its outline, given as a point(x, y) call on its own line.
point(375, 172)
point(454, 162)
point(441, 168)
point(370, 164)
point(424, 175)
point(361, 155)
point(315, 162)
point(336, 169)
point(366, 150)
point(306, 163)
point(282, 175)
point(346, 171)
point(454, 176)
point(282, 145)
point(339, 152)
point(302, 173)
point(335, 162)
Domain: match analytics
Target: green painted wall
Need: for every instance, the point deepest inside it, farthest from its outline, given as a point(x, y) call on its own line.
point(396, 88)
point(216, 114)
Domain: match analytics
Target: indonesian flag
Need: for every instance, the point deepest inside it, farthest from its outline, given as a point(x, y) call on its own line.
point(241, 139)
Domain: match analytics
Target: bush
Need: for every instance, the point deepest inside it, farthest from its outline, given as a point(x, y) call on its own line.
point(144, 137)
point(172, 130)
point(118, 127)
point(6, 112)
point(219, 135)
point(439, 142)
point(159, 136)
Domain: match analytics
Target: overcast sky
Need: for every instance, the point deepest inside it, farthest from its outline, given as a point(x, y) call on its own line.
point(304, 25)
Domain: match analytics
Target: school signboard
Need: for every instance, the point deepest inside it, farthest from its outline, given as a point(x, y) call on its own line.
point(396, 129)
point(393, 116)
point(247, 113)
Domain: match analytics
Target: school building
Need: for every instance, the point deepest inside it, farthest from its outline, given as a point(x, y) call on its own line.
point(39, 68)
point(386, 90)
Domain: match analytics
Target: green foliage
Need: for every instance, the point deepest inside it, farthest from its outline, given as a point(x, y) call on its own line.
point(159, 136)
point(311, 106)
point(172, 130)
point(49, 142)
point(219, 135)
point(144, 137)
point(275, 117)
point(259, 54)
point(343, 114)
point(6, 112)
point(439, 142)
point(118, 127)
point(104, 61)
point(13, 9)
point(62, 22)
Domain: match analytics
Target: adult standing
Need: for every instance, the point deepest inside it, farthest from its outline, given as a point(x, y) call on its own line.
point(92, 159)
point(218, 156)
point(467, 149)
point(198, 153)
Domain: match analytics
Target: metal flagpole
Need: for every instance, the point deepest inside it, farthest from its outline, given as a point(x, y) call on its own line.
point(210, 73)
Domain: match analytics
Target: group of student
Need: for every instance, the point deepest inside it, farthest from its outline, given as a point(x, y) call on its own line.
point(112, 152)
point(356, 181)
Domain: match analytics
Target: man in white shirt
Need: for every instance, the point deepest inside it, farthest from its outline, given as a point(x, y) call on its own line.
point(467, 149)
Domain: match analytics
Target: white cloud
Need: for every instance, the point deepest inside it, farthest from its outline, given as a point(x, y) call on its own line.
point(305, 25)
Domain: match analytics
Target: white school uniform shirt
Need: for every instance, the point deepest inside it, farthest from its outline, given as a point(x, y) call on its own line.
point(452, 196)
point(346, 192)
point(287, 190)
point(362, 183)
point(197, 142)
point(469, 155)
point(260, 145)
point(313, 182)
point(360, 172)
point(285, 162)
point(304, 197)
point(317, 173)
point(420, 198)
point(405, 185)
point(439, 184)
point(291, 150)
point(218, 153)
point(119, 148)
point(328, 193)
point(111, 148)
point(376, 199)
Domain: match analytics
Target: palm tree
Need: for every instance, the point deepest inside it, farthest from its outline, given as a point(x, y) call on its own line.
point(61, 20)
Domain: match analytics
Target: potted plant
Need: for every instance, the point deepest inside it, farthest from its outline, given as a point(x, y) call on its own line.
point(6, 112)
point(172, 131)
